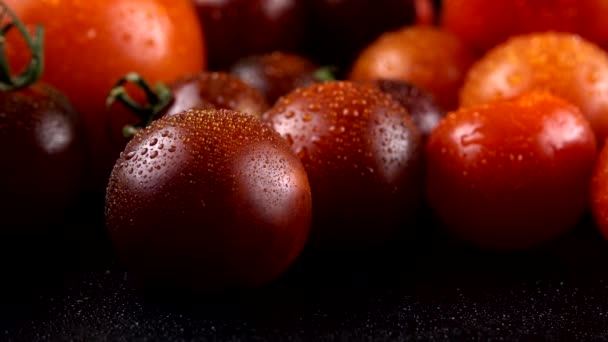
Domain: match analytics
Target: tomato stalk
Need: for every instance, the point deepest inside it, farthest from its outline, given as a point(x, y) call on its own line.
point(157, 99)
point(33, 72)
point(325, 74)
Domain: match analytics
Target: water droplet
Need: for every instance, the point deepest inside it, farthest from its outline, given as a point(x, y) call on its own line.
point(307, 118)
point(144, 151)
point(172, 148)
point(290, 114)
point(154, 154)
point(165, 134)
point(130, 155)
point(153, 141)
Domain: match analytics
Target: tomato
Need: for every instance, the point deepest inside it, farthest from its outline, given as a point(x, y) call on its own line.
point(40, 145)
point(239, 28)
point(484, 24)
point(511, 174)
point(90, 44)
point(431, 59)
point(561, 63)
point(362, 153)
point(208, 199)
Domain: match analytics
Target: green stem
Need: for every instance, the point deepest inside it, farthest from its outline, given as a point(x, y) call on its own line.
point(33, 71)
point(326, 73)
point(157, 99)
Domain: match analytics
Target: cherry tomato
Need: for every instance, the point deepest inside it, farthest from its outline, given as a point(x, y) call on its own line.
point(90, 44)
point(40, 145)
point(275, 74)
point(208, 199)
point(484, 24)
point(427, 57)
point(362, 153)
point(561, 63)
point(511, 174)
point(239, 28)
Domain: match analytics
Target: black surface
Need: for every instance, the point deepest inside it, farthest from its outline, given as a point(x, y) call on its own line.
point(432, 289)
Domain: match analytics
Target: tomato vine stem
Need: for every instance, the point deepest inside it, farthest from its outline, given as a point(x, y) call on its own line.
point(33, 71)
point(157, 99)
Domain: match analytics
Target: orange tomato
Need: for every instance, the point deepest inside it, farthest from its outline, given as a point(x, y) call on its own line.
point(90, 44)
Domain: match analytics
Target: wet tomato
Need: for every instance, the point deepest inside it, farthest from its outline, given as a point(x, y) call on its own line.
point(511, 174)
point(208, 199)
point(421, 105)
point(484, 24)
point(91, 44)
point(427, 57)
point(361, 151)
point(561, 63)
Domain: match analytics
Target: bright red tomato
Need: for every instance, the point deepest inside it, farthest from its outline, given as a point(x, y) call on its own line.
point(511, 174)
point(90, 44)
point(485, 23)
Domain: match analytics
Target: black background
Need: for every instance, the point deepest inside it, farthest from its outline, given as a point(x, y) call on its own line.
point(69, 287)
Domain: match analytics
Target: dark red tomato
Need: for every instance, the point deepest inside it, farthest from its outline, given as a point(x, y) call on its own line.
point(339, 29)
point(238, 28)
point(215, 90)
point(91, 44)
point(599, 192)
point(421, 105)
point(561, 63)
point(206, 90)
point(511, 174)
point(361, 151)
point(275, 74)
point(42, 157)
point(208, 199)
point(434, 60)
point(484, 24)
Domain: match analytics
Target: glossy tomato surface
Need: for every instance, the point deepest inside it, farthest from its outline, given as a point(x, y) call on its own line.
point(564, 64)
point(89, 45)
point(432, 59)
point(484, 24)
point(511, 174)
point(208, 199)
point(362, 152)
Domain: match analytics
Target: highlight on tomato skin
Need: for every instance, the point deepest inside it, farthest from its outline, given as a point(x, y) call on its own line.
point(511, 174)
point(208, 200)
point(90, 44)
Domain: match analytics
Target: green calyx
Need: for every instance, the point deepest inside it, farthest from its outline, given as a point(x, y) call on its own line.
point(157, 99)
point(33, 71)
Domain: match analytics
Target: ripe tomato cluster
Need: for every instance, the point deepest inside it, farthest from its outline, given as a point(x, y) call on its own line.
point(225, 145)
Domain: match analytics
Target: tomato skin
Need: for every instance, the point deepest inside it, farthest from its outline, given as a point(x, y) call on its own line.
point(208, 199)
point(89, 45)
point(362, 153)
point(561, 63)
point(484, 24)
point(511, 174)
